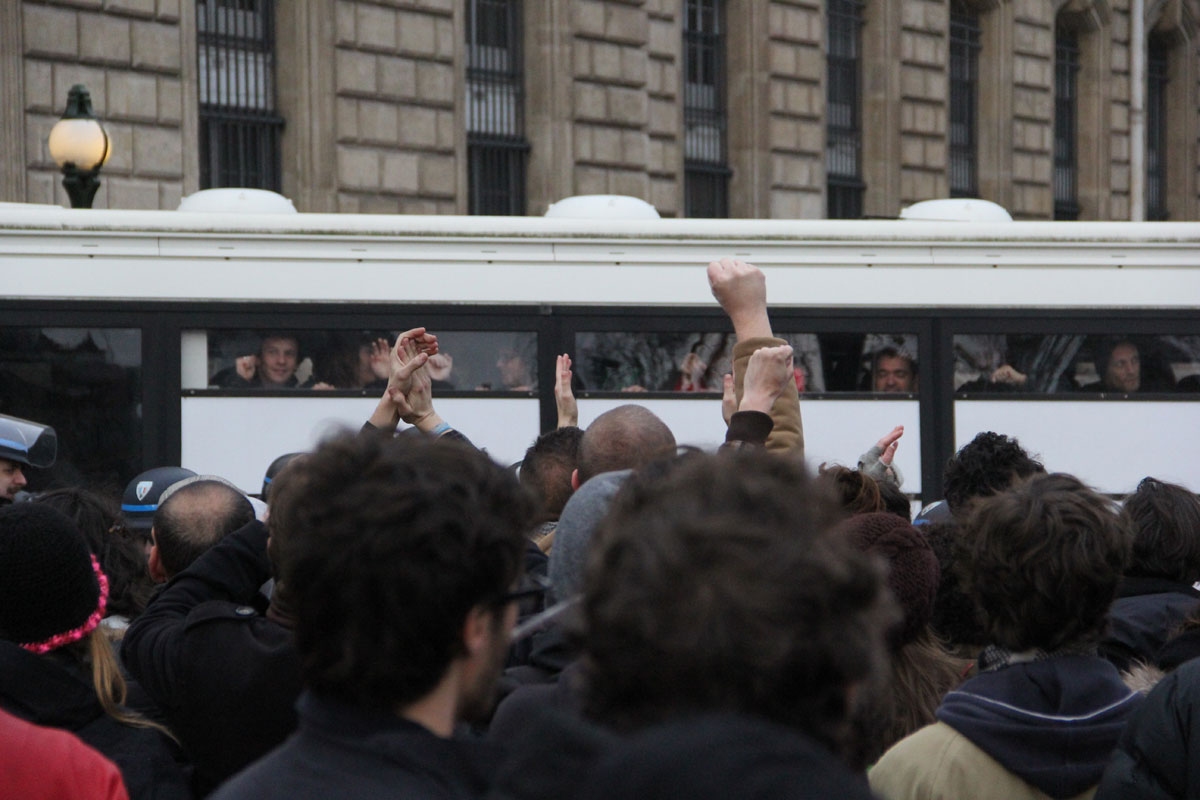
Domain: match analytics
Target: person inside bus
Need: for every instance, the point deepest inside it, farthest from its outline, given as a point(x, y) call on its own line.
point(273, 367)
point(893, 371)
point(1124, 367)
point(355, 362)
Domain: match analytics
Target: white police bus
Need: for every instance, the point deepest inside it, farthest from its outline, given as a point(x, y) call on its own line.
point(124, 330)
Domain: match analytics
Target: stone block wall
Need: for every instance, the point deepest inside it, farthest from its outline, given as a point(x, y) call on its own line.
point(924, 90)
point(130, 55)
point(396, 89)
point(796, 101)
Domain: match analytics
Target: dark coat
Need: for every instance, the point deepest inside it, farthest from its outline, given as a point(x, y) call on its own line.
point(345, 752)
point(226, 676)
point(1144, 615)
point(57, 692)
point(1156, 756)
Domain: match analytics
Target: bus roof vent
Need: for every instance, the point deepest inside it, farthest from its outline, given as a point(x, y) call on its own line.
point(237, 201)
point(956, 209)
point(601, 206)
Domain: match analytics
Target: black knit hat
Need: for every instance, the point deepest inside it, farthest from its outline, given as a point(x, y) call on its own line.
point(52, 591)
point(913, 570)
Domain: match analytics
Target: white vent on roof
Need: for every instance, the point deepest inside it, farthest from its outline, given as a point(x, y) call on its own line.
point(602, 206)
point(237, 201)
point(956, 209)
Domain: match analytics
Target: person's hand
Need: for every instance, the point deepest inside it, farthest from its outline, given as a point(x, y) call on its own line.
point(635, 387)
point(247, 367)
point(405, 359)
point(415, 405)
point(741, 289)
point(564, 397)
point(440, 365)
point(380, 358)
point(728, 397)
point(888, 444)
point(1007, 374)
point(322, 386)
point(767, 375)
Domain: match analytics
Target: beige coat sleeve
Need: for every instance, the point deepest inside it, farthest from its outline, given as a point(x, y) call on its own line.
point(788, 434)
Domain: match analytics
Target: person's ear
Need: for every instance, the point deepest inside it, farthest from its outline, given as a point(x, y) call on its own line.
point(575, 480)
point(477, 630)
point(154, 562)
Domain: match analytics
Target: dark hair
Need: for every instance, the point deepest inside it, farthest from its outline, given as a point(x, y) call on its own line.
point(954, 619)
point(987, 464)
point(894, 500)
point(390, 544)
point(1166, 531)
point(854, 491)
point(194, 518)
point(1042, 562)
point(892, 352)
point(719, 586)
point(121, 554)
point(547, 467)
point(625, 437)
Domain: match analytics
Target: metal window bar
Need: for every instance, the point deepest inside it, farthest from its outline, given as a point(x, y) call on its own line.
point(497, 151)
point(964, 101)
point(706, 172)
point(1066, 69)
point(240, 127)
point(843, 110)
point(1156, 131)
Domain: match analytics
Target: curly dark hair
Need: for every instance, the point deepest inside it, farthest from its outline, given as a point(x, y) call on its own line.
point(954, 619)
point(719, 586)
point(387, 546)
point(547, 467)
point(121, 554)
point(1166, 531)
point(1042, 562)
point(987, 464)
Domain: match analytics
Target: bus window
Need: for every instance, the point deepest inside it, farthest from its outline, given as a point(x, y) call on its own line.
point(1112, 364)
point(696, 361)
point(87, 384)
point(356, 360)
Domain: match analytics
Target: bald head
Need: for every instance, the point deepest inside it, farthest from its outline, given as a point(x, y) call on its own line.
point(624, 438)
point(194, 518)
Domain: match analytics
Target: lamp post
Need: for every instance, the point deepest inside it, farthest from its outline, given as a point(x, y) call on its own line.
point(80, 146)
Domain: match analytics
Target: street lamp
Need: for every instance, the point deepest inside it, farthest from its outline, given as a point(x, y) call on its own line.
point(80, 146)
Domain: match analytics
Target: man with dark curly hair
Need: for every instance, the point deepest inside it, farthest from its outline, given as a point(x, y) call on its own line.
point(989, 463)
point(401, 558)
point(1041, 561)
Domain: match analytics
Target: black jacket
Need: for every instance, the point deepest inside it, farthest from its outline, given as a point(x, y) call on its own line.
point(1142, 618)
point(57, 692)
point(344, 752)
point(1156, 756)
point(226, 676)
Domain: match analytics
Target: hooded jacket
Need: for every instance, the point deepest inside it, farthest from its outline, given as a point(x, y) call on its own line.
point(1029, 730)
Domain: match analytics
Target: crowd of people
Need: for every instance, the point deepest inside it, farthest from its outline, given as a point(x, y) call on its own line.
point(399, 616)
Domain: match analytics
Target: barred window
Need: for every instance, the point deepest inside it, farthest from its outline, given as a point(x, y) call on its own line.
point(1066, 69)
point(964, 101)
point(706, 170)
point(497, 151)
point(240, 126)
point(843, 108)
point(1156, 131)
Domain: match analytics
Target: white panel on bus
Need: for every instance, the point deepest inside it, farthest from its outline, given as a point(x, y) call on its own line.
point(238, 437)
point(836, 431)
point(1109, 445)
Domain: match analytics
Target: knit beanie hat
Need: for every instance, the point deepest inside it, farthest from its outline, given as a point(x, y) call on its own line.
point(913, 570)
point(579, 520)
point(52, 591)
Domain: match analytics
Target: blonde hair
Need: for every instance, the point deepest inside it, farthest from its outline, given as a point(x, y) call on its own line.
point(94, 650)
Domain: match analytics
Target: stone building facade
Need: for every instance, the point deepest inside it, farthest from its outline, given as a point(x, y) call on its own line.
point(373, 97)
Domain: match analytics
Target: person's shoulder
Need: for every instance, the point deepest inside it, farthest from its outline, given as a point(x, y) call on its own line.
point(925, 764)
point(220, 636)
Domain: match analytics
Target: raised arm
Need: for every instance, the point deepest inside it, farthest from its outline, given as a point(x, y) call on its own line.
point(564, 396)
point(741, 289)
point(400, 369)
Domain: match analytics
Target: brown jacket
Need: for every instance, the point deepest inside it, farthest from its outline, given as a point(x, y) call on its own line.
point(788, 434)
